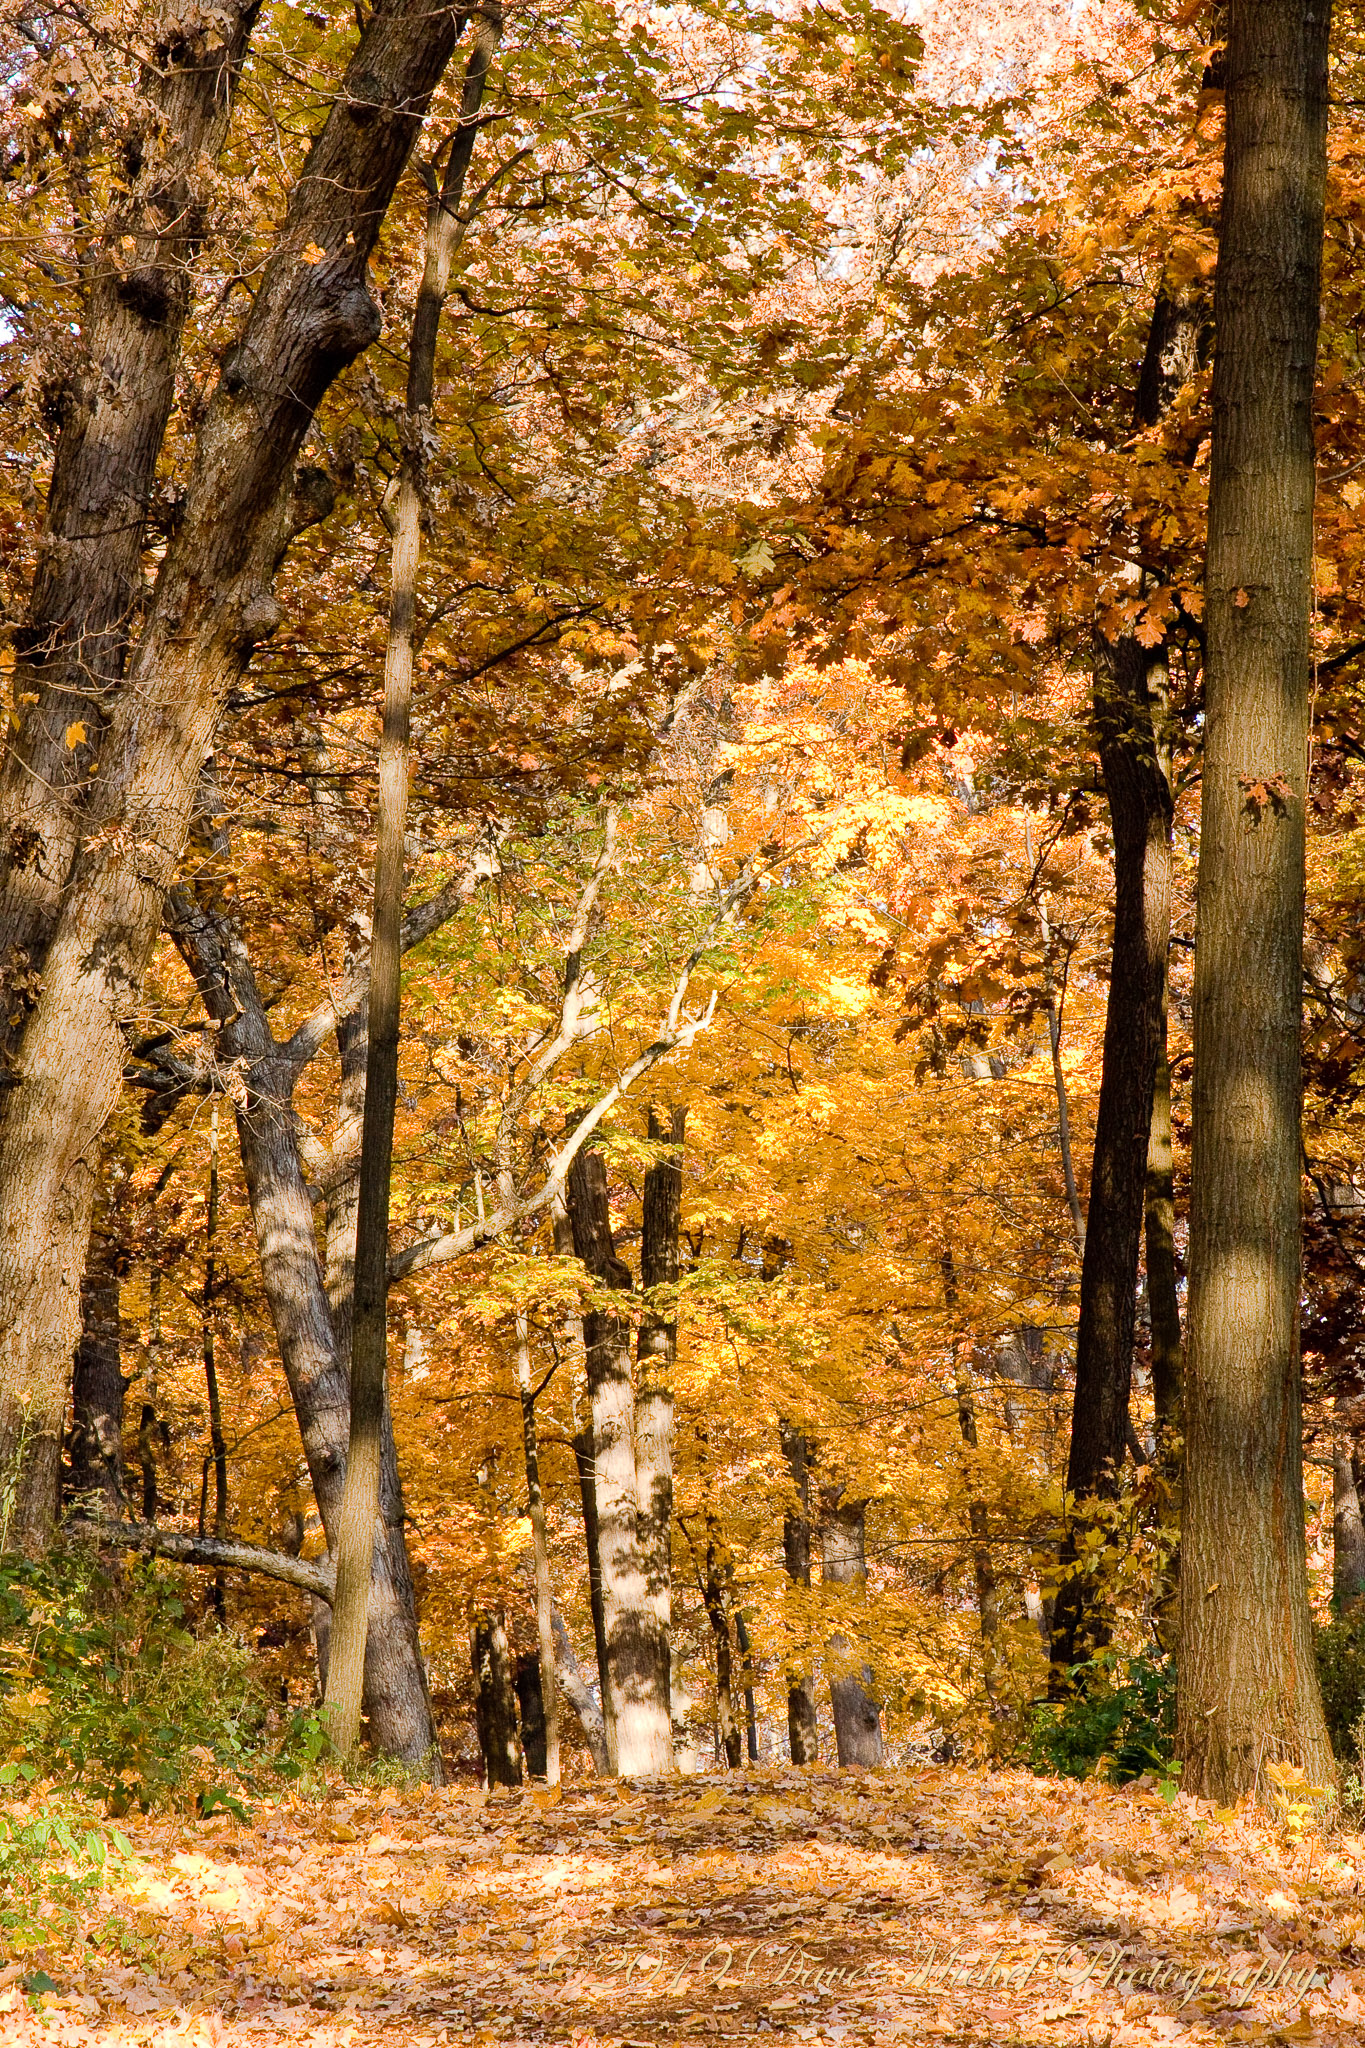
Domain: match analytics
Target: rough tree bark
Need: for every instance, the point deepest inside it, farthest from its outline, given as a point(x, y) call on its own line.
point(638, 1720)
point(1248, 1689)
point(843, 1552)
point(359, 1516)
point(308, 320)
point(111, 411)
point(803, 1732)
point(531, 1709)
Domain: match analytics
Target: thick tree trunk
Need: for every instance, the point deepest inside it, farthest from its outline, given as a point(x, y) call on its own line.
point(309, 319)
point(803, 1733)
point(359, 1516)
point(638, 1718)
point(495, 1702)
point(1248, 1691)
point(1348, 1529)
point(112, 413)
point(656, 1355)
point(843, 1550)
point(97, 1382)
point(531, 1709)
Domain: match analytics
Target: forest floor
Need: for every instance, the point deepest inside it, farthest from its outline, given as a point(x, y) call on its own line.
point(940, 1904)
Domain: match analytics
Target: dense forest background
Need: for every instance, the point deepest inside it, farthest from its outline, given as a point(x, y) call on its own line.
point(794, 560)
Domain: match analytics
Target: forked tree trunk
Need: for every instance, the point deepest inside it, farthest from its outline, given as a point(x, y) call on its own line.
point(638, 1719)
point(843, 1549)
point(395, 1695)
point(309, 319)
point(803, 1732)
point(1248, 1692)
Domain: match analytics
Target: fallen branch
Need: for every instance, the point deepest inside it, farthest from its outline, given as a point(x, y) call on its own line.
point(209, 1553)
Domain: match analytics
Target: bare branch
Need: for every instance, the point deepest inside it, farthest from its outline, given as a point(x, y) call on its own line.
point(211, 1553)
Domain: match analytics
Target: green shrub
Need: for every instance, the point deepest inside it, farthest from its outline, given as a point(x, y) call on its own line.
point(53, 1868)
point(1119, 1723)
point(1340, 1647)
point(103, 1687)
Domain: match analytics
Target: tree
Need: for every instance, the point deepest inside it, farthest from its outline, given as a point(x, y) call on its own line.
point(1248, 1686)
point(311, 316)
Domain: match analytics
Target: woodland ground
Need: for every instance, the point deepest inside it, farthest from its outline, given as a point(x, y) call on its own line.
point(791, 1906)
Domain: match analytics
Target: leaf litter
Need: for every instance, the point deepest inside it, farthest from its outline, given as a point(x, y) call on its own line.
point(806, 1907)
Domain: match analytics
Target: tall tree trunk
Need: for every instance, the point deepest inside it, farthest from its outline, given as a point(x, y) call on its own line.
point(843, 1551)
point(97, 1382)
point(1248, 1692)
point(395, 1695)
point(656, 1356)
point(803, 1733)
point(112, 411)
point(713, 1597)
point(745, 1648)
point(217, 1440)
point(495, 1701)
point(1163, 1300)
point(547, 1693)
point(586, 1460)
point(359, 1517)
point(1130, 698)
point(1348, 1529)
point(987, 1593)
point(638, 1717)
point(308, 320)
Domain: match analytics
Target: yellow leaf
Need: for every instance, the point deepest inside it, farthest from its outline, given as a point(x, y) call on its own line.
point(313, 254)
point(75, 734)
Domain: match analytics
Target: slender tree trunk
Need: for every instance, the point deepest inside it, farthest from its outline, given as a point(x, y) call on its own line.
point(1248, 1690)
point(638, 1718)
point(548, 1693)
point(987, 1594)
point(1163, 1300)
point(713, 1595)
point(656, 1356)
point(97, 1382)
point(803, 1733)
point(495, 1701)
point(359, 1518)
point(575, 1690)
point(1130, 704)
point(1348, 1529)
point(745, 1648)
point(113, 407)
point(586, 1460)
point(843, 1550)
point(217, 1441)
point(309, 318)
point(395, 1695)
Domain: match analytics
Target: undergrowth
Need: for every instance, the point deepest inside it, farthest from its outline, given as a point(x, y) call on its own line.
point(1119, 1723)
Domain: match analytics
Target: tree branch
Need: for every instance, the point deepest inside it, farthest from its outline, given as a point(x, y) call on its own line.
point(210, 1553)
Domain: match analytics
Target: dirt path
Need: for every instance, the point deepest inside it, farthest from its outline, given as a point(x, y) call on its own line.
point(803, 1907)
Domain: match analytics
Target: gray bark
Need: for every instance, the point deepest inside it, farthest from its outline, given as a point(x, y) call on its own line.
point(843, 1548)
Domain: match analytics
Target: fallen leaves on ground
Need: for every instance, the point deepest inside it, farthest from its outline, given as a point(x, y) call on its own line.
point(804, 1906)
